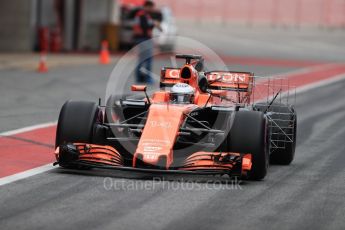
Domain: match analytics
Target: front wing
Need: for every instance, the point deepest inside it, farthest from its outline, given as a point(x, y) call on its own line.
point(76, 155)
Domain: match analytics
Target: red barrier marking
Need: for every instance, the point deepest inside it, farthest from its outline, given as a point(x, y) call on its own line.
point(315, 74)
point(296, 79)
point(26, 150)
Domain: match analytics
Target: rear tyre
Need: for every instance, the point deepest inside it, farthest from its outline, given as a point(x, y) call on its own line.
point(113, 111)
point(286, 118)
point(76, 122)
point(248, 134)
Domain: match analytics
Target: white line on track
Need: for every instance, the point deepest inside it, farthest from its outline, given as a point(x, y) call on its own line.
point(29, 128)
point(305, 88)
point(305, 70)
point(47, 167)
point(25, 174)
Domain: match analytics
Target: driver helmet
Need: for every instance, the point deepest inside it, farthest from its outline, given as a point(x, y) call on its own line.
point(182, 93)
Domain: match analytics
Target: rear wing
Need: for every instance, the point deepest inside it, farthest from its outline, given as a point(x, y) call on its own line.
point(227, 80)
point(231, 80)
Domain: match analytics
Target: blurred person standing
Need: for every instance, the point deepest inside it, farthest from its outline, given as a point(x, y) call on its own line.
point(142, 31)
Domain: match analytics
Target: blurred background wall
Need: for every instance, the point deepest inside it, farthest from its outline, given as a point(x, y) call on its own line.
point(16, 25)
point(293, 13)
point(70, 25)
point(55, 25)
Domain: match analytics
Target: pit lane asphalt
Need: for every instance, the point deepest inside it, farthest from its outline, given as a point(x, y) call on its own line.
point(307, 194)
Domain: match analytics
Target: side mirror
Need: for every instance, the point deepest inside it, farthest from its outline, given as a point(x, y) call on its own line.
point(202, 83)
point(140, 88)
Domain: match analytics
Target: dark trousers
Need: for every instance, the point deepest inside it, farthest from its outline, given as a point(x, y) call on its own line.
point(144, 66)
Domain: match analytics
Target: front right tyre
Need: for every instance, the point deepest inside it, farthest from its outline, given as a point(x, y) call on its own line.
point(249, 134)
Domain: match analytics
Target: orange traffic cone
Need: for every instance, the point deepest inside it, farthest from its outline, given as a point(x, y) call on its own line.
point(104, 57)
point(42, 66)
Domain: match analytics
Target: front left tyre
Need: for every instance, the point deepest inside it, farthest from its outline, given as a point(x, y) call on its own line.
point(76, 122)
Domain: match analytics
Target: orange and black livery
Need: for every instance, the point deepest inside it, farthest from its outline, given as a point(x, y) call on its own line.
point(198, 122)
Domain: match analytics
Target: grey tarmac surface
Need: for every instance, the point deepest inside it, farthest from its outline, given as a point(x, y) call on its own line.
point(309, 194)
point(287, 43)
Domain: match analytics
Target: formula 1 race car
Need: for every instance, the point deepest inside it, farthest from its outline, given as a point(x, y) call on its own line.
point(198, 122)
